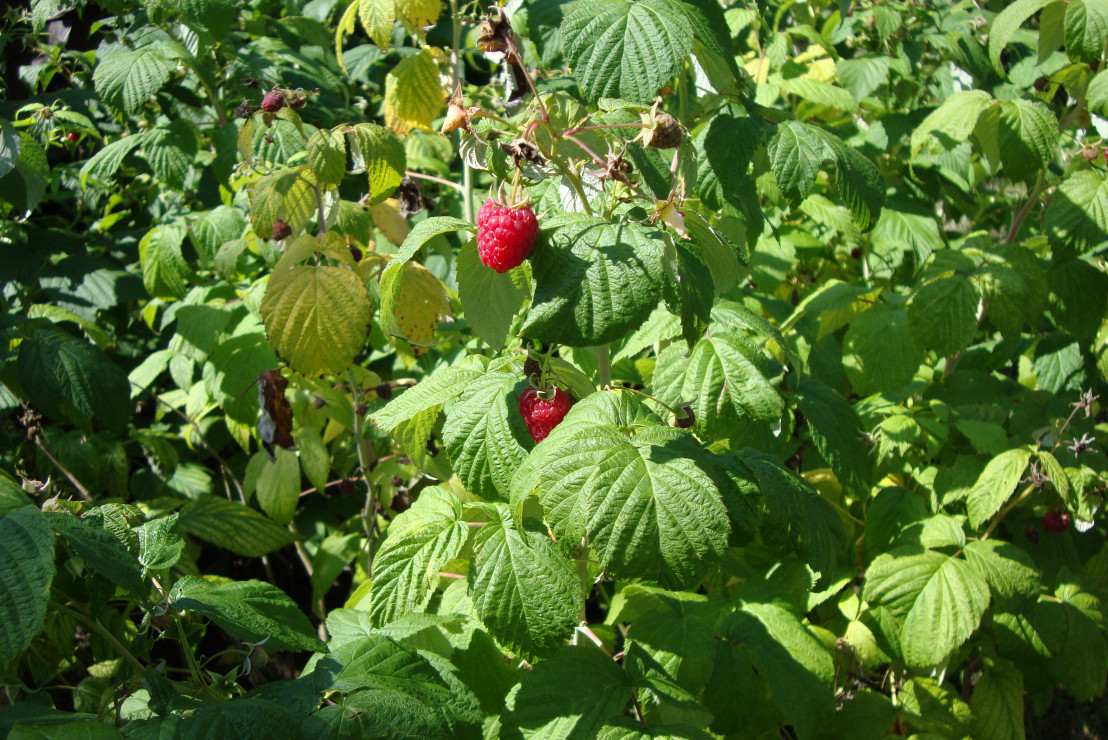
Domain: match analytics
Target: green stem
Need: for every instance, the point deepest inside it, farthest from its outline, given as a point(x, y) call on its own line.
point(604, 358)
point(99, 629)
point(365, 460)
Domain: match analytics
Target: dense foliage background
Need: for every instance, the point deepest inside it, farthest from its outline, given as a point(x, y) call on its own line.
point(826, 281)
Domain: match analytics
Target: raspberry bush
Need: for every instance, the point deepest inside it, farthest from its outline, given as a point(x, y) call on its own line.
point(593, 369)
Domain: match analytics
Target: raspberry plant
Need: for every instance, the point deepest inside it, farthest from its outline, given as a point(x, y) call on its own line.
point(767, 407)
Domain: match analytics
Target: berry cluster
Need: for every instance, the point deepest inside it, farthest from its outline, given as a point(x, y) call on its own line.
point(505, 235)
point(542, 415)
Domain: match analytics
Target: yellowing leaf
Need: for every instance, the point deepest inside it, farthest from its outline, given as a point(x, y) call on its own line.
point(377, 17)
point(316, 318)
point(412, 300)
point(388, 219)
point(418, 12)
point(413, 93)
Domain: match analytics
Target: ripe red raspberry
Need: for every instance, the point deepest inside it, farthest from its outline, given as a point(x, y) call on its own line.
point(273, 101)
point(541, 416)
point(505, 236)
point(1056, 521)
point(72, 136)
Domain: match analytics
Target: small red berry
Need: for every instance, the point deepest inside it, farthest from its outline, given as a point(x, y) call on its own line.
point(72, 136)
point(541, 416)
point(505, 236)
point(273, 101)
point(1056, 521)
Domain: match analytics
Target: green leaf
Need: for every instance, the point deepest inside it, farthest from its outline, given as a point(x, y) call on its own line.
point(1086, 30)
point(794, 664)
point(888, 516)
point(485, 434)
point(952, 122)
point(317, 318)
point(897, 229)
point(997, 702)
point(995, 485)
point(932, 708)
point(595, 280)
point(12, 497)
point(160, 545)
point(721, 371)
point(677, 630)
point(427, 395)
point(241, 719)
point(378, 152)
point(248, 610)
point(939, 598)
point(1022, 135)
point(1006, 24)
point(327, 158)
point(1075, 645)
point(61, 374)
point(100, 551)
point(397, 691)
point(524, 590)
point(863, 75)
point(102, 166)
point(621, 49)
point(170, 150)
point(878, 351)
point(1009, 570)
point(688, 290)
point(11, 143)
point(821, 93)
point(315, 461)
point(417, 544)
point(943, 313)
point(332, 557)
point(125, 80)
point(26, 570)
point(81, 730)
point(1077, 216)
point(798, 519)
point(728, 142)
point(279, 486)
point(837, 433)
point(800, 150)
point(490, 300)
point(639, 500)
point(164, 270)
point(26, 184)
point(425, 231)
point(232, 526)
point(571, 695)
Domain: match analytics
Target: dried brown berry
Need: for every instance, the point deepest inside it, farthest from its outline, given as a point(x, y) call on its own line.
point(244, 110)
point(688, 420)
point(384, 391)
point(531, 369)
point(298, 101)
point(281, 230)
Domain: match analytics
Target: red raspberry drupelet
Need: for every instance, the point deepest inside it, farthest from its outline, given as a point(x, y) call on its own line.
point(541, 416)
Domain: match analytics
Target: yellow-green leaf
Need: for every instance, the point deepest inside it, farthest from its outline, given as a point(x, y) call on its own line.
point(378, 152)
point(327, 158)
point(418, 12)
point(377, 17)
point(412, 300)
point(345, 27)
point(316, 318)
point(413, 93)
